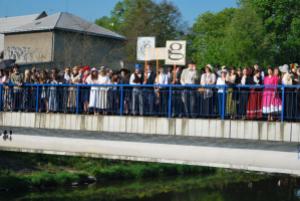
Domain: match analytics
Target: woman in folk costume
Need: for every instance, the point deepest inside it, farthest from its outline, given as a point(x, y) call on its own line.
point(94, 92)
point(53, 93)
point(85, 91)
point(103, 79)
point(231, 101)
point(246, 79)
point(288, 93)
point(271, 102)
point(72, 91)
point(254, 109)
point(207, 78)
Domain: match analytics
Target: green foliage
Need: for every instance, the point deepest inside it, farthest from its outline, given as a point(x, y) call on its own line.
point(134, 18)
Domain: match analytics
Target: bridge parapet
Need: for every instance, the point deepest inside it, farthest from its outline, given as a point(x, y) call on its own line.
point(212, 128)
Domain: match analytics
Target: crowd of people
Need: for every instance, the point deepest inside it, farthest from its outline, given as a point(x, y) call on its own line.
point(247, 93)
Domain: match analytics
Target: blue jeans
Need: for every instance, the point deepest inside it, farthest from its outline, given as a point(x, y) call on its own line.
point(137, 99)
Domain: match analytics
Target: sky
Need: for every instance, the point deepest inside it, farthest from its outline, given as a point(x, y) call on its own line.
point(93, 9)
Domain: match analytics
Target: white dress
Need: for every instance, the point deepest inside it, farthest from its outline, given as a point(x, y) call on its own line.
point(94, 92)
point(102, 93)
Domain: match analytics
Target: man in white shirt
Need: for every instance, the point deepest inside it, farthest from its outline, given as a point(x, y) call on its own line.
point(136, 78)
point(161, 93)
point(188, 77)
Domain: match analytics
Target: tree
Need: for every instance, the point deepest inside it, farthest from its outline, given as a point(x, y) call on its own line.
point(135, 18)
point(207, 37)
point(281, 22)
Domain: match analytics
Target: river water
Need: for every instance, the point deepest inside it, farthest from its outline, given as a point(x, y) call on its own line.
point(178, 189)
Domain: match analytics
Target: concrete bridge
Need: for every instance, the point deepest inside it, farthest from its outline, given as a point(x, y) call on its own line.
point(247, 145)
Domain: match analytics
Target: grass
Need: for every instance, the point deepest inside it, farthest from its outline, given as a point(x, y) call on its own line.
point(43, 171)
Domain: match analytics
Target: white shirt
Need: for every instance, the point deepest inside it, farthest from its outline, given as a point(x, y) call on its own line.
point(222, 82)
point(132, 77)
point(208, 79)
point(162, 79)
point(103, 80)
point(188, 76)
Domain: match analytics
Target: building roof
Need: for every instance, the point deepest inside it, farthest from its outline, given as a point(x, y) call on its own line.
point(9, 23)
point(68, 22)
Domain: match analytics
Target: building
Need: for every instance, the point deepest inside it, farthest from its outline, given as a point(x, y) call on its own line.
point(9, 23)
point(61, 40)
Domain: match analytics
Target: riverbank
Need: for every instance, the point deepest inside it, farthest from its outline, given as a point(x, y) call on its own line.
point(23, 172)
point(45, 177)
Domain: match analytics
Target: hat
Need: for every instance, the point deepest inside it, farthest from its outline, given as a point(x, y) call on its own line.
point(86, 68)
point(137, 66)
point(223, 70)
point(102, 68)
point(209, 66)
point(94, 69)
point(284, 68)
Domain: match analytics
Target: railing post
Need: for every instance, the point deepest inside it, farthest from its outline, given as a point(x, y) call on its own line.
point(77, 99)
point(170, 102)
point(283, 103)
point(121, 100)
point(37, 99)
point(223, 102)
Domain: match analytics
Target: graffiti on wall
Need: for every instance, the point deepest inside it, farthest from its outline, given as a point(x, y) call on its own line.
point(21, 54)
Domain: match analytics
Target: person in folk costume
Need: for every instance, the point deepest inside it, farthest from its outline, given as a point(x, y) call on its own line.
point(231, 97)
point(254, 108)
point(161, 92)
point(85, 91)
point(103, 79)
point(221, 81)
point(246, 79)
point(136, 78)
point(72, 90)
point(271, 102)
point(208, 78)
point(188, 96)
point(288, 93)
point(124, 79)
point(177, 105)
point(148, 92)
point(53, 93)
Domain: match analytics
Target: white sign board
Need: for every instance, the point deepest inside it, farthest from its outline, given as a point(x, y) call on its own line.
point(176, 53)
point(144, 46)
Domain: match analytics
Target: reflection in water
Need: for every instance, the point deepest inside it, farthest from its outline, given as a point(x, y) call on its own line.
point(178, 189)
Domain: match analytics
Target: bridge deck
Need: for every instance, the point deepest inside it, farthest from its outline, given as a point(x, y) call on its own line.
point(276, 157)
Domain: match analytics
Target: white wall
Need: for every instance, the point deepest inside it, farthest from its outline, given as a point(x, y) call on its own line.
point(213, 128)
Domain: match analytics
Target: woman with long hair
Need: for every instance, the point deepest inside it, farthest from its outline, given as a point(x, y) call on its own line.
point(44, 96)
point(94, 92)
point(53, 93)
point(103, 79)
point(231, 100)
point(244, 93)
point(27, 92)
point(254, 109)
point(85, 91)
point(72, 91)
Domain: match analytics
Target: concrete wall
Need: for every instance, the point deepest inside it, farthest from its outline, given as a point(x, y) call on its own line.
point(29, 47)
point(78, 49)
point(252, 130)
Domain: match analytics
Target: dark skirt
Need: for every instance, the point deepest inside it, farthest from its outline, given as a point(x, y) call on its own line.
point(254, 107)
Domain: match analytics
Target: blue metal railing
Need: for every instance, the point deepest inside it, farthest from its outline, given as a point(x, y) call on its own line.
point(153, 100)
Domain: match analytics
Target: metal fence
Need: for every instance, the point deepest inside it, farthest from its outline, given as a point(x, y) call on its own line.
point(189, 101)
